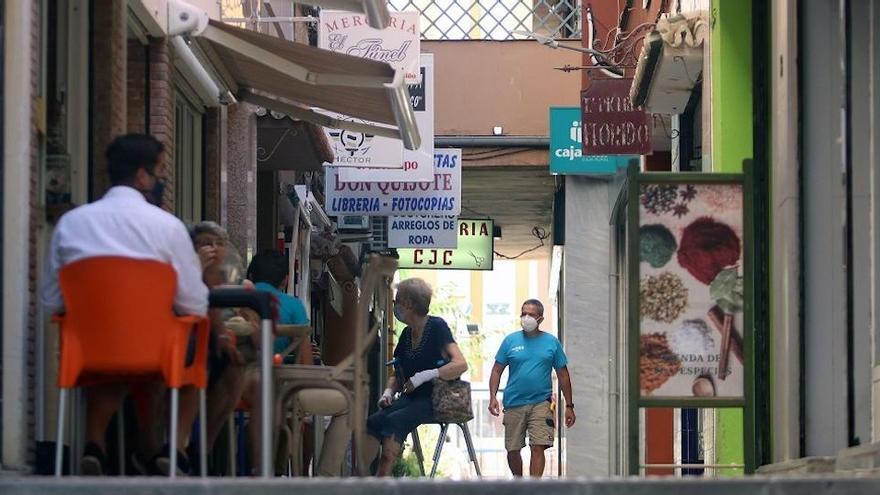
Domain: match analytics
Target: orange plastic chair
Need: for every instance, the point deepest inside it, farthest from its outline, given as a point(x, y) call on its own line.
point(119, 326)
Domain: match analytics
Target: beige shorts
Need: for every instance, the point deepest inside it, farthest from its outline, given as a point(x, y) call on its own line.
point(536, 419)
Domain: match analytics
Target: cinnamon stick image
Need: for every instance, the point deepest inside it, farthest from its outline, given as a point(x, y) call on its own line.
point(716, 316)
point(724, 360)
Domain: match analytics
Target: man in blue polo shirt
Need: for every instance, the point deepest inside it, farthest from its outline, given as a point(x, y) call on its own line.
point(532, 355)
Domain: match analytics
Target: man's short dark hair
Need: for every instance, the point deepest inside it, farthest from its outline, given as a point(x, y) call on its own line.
point(268, 266)
point(129, 152)
point(537, 304)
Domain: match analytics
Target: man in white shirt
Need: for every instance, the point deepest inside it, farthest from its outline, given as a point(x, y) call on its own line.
point(124, 223)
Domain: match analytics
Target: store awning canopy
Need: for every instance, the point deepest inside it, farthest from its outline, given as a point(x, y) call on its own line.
point(295, 79)
point(287, 144)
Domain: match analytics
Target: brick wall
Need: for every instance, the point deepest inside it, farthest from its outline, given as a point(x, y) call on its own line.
point(136, 87)
point(241, 187)
point(152, 85)
point(34, 223)
point(162, 109)
point(109, 47)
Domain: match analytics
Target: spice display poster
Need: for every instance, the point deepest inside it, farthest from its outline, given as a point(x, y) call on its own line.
point(691, 297)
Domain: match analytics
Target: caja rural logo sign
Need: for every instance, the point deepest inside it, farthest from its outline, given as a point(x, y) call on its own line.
point(566, 154)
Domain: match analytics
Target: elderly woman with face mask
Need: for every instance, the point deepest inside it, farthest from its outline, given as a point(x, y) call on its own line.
point(220, 266)
point(426, 350)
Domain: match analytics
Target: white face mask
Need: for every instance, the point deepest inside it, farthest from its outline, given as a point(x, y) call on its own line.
point(529, 324)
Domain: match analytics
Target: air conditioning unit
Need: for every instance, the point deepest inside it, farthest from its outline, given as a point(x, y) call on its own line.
point(671, 64)
point(380, 234)
point(354, 224)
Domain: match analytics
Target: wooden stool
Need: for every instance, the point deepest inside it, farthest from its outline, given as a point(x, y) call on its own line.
point(444, 430)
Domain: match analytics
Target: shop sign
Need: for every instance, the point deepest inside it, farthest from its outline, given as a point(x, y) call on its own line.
point(566, 147)
point(398, 45)
point(418, 165)
point(361, 149)
point(611, 125)
point(475, 251)
point(690, 312)
point(439, 197)
point(422, 232)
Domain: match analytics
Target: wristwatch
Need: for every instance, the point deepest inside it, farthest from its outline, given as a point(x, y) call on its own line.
point(570, 406)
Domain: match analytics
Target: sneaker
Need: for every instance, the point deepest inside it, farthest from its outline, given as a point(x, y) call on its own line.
point(93, 461)
point(162, 462)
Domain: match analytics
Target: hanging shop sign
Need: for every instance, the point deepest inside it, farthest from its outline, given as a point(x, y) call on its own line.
point(475, 251)
point(418, 165)
point(611, 125)
point(361, 149)
point(566, 147)
point(398, 45)
point(439, 197)
point(690, 288)
point(422, 232)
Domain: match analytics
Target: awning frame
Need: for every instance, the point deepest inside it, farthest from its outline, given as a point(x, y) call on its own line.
point(301, 113)
point(293, 69)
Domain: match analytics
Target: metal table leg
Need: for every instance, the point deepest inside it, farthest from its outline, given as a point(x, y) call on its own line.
point(266, 424)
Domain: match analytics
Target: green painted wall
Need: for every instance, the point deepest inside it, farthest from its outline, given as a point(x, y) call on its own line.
point(732, 128)
point(731, 43)
point(729, 437)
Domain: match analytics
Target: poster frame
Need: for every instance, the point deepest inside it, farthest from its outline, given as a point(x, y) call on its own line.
point(635, 402)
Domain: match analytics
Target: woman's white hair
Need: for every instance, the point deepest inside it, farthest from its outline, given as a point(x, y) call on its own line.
point(417, 292)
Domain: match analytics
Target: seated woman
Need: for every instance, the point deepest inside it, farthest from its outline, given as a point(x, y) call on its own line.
point(226, 377)
point(225, 373)
point(424, 346)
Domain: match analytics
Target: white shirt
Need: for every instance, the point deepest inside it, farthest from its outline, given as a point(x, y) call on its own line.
point(123, 223)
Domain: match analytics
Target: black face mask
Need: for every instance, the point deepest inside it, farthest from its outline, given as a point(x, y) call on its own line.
point(154, 196)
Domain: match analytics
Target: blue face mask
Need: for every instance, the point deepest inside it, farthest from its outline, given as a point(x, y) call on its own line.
point(397, 314)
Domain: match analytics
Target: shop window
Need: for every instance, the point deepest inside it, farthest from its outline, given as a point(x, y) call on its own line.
point(188, 161)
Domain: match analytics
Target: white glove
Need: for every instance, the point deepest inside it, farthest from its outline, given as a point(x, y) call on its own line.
point(423, 377)
point(386, 399)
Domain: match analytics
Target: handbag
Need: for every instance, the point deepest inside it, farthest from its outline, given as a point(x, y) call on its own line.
point(452, 401)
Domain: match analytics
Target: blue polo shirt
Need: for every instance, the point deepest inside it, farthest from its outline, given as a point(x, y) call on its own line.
point(291, 311)
point(531, 361)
